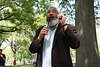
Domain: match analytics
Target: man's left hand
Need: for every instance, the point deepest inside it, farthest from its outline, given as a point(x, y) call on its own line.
point(61, 18)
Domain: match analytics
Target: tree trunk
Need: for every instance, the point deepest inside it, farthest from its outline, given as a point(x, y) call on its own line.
point(15, 55)
point(0, 46)
point(20, 58)
point(87, 55)
point(20, 61)
point(14, 58)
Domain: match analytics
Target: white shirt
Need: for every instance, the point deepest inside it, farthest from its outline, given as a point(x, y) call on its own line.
point(47, 47)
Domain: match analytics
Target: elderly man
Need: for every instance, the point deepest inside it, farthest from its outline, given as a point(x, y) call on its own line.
point(52, 42)
point(2, 58)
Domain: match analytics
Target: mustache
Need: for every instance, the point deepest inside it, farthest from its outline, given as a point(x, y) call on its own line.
point(49, 18)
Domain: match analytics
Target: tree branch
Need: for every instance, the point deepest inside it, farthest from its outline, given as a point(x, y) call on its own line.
point(6, 17)
point(2, 8)
point(11, 29)
point(18, 4)
point(8, 30)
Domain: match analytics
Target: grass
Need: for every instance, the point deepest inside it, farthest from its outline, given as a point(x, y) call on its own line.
point(30, 65)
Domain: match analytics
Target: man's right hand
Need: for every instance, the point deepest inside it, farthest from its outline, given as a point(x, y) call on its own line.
point(43, 32)
point(2, 56)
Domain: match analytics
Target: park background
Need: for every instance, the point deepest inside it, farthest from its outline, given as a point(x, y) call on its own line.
point(19, 20)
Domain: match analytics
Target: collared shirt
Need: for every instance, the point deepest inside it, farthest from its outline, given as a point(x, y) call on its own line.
point(47, 47)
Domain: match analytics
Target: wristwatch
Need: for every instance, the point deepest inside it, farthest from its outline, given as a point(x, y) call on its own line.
point(64, 25)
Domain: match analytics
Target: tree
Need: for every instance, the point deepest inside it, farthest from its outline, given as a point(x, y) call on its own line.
point(23, 52)
point(17, 15)
point(19, 43)
point(20, 12)
point(14, 46)
point(87, 55)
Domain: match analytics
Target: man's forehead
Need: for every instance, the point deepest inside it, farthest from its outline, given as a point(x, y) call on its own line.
point(52, 8)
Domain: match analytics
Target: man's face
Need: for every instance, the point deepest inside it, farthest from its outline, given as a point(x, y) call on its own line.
point(52, 12)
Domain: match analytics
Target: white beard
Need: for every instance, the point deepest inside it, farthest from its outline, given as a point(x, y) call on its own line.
point(53, 22)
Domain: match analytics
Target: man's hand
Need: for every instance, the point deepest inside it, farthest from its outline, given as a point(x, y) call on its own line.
point(61, 18)
point(2, 56)
point(43, 32)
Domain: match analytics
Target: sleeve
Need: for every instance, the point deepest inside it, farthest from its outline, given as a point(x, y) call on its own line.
point(35, 45)
point(74, 40)
point(4, 56)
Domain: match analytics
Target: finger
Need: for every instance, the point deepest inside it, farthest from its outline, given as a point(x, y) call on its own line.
point(44, 32)
point(45, 27)
point(57, 15)
point(61, 11)
point(60, 16)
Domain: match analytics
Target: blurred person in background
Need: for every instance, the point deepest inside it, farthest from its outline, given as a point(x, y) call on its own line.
point(34, 61)
point(2, 58)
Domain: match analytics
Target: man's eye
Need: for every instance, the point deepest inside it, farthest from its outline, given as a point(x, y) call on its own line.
point(53, 11)
point(48, 12)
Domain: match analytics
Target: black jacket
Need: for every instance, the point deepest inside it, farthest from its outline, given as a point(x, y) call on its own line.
point(63, 40)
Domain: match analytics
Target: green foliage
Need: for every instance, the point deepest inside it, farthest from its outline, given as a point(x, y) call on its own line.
point(22, 43)
point(68, 9)
point(3, 37)
point(8, 52)
point(20, 16)
point(97, 11)
point(18, 12)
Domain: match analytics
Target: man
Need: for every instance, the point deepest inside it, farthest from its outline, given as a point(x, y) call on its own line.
point(2, 58)
point(52, 42)
point(34, 62)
